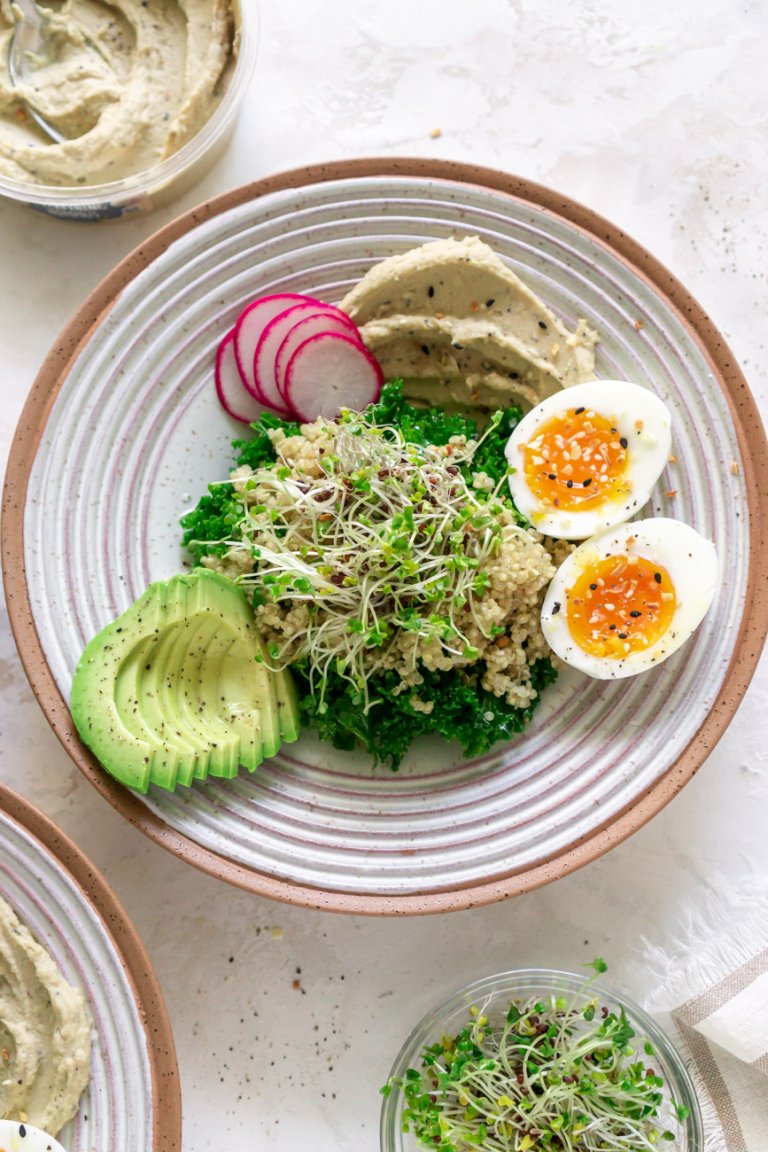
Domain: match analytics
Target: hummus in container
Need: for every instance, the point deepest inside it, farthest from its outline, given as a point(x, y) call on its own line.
point(460, 328)
point(45, 1032)
point(141, 89)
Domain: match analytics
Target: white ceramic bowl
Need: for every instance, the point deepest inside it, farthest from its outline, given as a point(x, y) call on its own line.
point(155, 186)
point(123, 432)
point(133, 1100)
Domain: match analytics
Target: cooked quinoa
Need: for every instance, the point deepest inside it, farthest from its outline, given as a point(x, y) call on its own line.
point(327, 569)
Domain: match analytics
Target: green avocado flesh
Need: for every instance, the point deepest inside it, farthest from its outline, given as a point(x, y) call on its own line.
point(177, 688)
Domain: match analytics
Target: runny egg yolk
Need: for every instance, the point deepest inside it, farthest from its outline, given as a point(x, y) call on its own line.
point(576, 460)
point(619, 605)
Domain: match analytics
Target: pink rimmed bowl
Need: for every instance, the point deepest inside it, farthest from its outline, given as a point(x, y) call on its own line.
point(122, 433)
point(133, 1099)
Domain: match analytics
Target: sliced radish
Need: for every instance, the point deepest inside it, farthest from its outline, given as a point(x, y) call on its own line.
point(330, 372)
point(248, 329)
point(234, 396)
point(311, 324)
point(264, 361)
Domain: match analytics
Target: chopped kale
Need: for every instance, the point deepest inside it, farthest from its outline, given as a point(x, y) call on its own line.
point(258, 451)
point(418, 425)
point(213, 521)
point(461, 710)
point(490, 456)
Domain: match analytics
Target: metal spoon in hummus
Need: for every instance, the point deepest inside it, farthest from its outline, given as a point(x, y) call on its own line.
point(18, 1137)
point(29, 39)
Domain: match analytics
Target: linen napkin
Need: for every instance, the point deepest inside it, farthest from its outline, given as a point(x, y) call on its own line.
point(713, 1003)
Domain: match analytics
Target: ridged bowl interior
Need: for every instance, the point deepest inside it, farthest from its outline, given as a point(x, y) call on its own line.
point(132, 1100)
point(129, 434)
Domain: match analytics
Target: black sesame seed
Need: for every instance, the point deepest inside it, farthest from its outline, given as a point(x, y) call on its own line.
point(586, 483)
point(425, 349)
point(578, 411)
point(635, 613)
point(542, 325)
point(490, 303)
point(514, 375)
point(551, 476)
point(593, 587)
point(623, 441)
point(430, 291)
point(569, 483)
point(612, 627)
point(622, 635)
point(657, 577)
point(555, 607)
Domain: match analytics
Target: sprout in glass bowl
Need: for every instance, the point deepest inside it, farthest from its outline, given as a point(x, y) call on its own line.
point(539, 1061)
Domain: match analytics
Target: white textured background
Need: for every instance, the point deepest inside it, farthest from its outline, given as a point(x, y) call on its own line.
point(654, 114)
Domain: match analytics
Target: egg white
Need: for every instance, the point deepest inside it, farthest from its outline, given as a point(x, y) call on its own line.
point(692, 564)
point(625, 405)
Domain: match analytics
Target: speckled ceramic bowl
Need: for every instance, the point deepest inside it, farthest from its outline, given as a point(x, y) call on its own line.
point(133, 1099)
point(162, 183)
point(122, 433)
point(492, 996)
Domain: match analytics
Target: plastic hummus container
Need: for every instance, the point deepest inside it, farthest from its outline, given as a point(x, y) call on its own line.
point(154, 186)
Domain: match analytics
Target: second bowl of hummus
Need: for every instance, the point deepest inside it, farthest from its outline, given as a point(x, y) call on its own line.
point(145, 97)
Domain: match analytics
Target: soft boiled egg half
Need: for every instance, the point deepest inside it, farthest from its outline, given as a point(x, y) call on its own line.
point(588, 457)
point(628, 598)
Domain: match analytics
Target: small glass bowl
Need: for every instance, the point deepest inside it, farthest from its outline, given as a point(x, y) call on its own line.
point(492, 996)
point(146, 190)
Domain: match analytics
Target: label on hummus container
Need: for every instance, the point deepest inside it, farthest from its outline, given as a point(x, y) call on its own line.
point(128, 83)
point(45, 1032)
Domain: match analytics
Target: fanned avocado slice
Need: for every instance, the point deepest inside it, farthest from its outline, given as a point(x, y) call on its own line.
point(287, 710)
point(177, 688)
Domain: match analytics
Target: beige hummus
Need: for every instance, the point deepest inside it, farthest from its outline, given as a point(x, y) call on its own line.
point(459, 327)
point(45, 1032)
point(128, 83)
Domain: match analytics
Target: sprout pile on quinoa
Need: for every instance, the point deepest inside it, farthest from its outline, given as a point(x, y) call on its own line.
point(387, 565)
point(389, 536)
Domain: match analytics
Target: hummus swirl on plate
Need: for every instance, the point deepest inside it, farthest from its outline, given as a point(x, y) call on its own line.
point(45, 1032)
point(460, 328)
point(128, 83)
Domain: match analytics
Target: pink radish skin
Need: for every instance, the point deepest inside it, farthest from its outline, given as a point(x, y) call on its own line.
point(314, 324)
point(233, 395)
point(250, 324)
point(264, 361)
point(330, 372)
